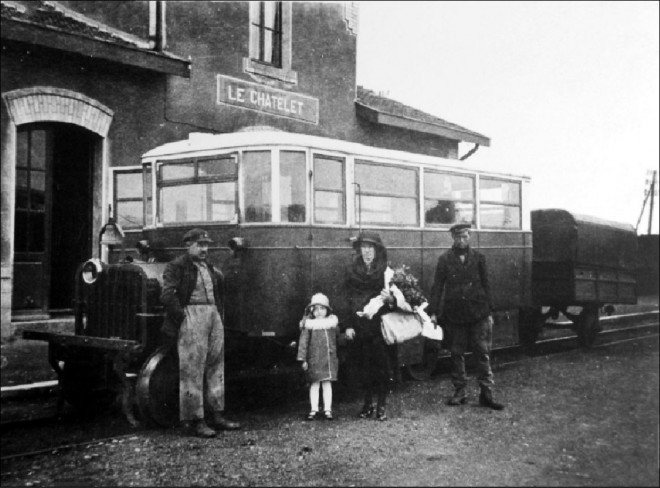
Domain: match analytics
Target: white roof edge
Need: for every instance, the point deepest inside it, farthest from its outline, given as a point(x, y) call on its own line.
point(198, 142)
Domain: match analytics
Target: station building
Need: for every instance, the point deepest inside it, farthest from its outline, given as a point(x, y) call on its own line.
point(89, 87)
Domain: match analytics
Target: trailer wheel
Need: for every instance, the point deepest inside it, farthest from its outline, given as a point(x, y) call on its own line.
point(89, 386)
point(588, 326)
point(423, 371)
point(157, 388)
point(530, 325)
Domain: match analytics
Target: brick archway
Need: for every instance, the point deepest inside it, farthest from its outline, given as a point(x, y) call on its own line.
point(50, 104)
point(43, 104)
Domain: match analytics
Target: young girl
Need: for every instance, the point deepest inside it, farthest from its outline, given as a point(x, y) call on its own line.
point(317, 349)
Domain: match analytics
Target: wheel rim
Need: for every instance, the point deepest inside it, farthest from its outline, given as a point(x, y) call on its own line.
point(85, 386)
point(588, 327)
point(157, 388)
point(422, 371)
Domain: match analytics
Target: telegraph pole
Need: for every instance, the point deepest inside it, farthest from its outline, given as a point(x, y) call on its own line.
point(652, 192)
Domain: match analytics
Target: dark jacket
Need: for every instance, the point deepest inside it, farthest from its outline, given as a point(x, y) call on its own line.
point(179, 280)
point(465, 286)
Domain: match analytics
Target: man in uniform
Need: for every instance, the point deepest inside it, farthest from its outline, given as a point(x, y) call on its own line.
point(192, 295)
point(461, 274)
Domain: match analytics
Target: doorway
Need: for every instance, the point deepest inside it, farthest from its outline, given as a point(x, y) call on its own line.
point(53, 215)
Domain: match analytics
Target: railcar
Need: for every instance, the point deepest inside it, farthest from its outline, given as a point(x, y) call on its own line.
point(578, 261)
point(283, 210)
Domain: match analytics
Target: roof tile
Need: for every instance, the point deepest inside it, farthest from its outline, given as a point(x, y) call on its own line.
point(386, 105)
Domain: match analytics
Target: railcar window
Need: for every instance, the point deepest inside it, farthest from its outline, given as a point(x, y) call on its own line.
point(257, 186)
point(499, 204)
point(292, 186)
point(147, 191)
point(389, 194)
point(128, 204)
point(329, 191)
point(177, 171)
point(448, 199)
point(199, 190)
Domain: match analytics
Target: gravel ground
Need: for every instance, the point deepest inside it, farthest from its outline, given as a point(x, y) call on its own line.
point(580, 418)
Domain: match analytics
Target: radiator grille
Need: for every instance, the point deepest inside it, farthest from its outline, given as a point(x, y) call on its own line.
point(109, 306)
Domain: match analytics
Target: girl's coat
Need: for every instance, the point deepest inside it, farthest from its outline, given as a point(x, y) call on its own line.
point(318, 346)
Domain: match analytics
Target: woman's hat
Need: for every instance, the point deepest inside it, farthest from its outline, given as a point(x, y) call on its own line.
point(370, 237)
point(319, 299)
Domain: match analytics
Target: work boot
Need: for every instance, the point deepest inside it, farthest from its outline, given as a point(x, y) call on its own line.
point(198, 428)
point(220, 422)
point(460, 397)
point(367, 410)
point(486, 399)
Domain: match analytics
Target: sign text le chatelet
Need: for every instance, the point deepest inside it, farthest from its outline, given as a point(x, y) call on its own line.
point(244, 94)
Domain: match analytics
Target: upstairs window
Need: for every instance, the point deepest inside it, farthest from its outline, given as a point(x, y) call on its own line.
point(448, 198)
point(499, 204)
point(387, 194)
point(198, 190)
point(268, 30)
point(270, 42)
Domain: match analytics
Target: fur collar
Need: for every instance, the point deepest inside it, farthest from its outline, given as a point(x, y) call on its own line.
point(329, 322)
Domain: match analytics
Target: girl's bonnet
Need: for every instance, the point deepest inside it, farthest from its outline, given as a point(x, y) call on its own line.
point(319, 299)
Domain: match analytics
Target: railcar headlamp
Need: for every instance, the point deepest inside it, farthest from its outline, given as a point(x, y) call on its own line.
point(91, 270)
point(237, 244)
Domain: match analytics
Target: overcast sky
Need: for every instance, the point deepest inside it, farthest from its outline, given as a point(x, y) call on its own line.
point(566, 91)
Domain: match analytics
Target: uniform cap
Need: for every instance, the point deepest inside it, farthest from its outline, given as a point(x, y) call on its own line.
point(197, 235)
point(455, 229)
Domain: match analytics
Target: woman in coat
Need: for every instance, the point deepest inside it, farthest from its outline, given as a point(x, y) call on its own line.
point(366, 280)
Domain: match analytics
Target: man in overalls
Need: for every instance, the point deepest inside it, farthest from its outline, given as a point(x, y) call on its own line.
point(467, 313)
point(192, 295)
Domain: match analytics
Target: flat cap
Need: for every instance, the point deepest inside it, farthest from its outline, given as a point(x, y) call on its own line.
point(456, 228)
point(197, 235)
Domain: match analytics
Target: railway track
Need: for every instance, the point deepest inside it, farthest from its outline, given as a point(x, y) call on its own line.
point(502, 357)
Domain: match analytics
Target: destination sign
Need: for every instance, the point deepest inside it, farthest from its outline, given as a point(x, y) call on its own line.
point(253, 96)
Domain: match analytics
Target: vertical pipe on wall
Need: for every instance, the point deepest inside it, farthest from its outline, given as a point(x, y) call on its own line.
point(8, 185)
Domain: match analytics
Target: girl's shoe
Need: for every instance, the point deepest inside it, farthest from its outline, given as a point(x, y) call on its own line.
point(381, 415)
point(328, 415)
point(367, 411)
point(311, 415)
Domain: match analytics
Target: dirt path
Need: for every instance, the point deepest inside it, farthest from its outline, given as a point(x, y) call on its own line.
point(582, 418)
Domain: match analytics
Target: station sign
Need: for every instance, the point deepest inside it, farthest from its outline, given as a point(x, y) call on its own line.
point(253, 96)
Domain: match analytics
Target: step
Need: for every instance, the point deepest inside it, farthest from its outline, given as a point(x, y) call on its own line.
point(65, 325)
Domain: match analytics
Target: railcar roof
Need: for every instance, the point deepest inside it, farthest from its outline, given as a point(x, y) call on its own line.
point(201, 142)
point(588, 219)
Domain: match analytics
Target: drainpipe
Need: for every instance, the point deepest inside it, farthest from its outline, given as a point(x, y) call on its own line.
point(157, 32)
point(470, 152)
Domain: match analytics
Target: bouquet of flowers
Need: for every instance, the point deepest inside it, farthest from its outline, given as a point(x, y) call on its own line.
point(408, 284)
point(404, 285)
